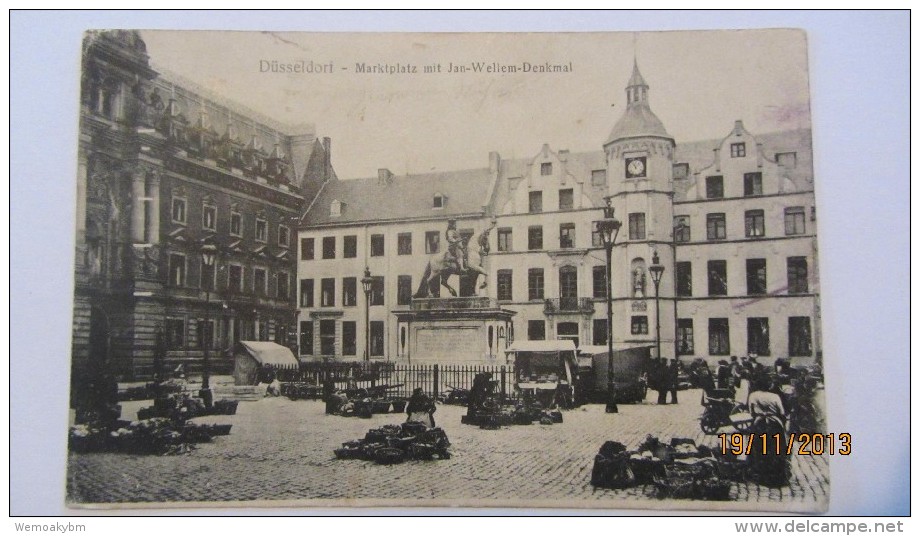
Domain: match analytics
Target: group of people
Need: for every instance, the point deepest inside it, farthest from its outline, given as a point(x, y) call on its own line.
point(664, 378)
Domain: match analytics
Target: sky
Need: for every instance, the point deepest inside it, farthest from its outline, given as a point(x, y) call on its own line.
point(700, 83)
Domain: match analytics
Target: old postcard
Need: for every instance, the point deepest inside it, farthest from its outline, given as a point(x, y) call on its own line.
point(517, 270)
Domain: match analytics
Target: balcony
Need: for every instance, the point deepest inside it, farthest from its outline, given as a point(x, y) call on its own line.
point(555, 306)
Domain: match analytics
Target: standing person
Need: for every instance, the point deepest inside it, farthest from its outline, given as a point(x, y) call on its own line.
point(768, 461)
point(455, 245)
point(420, 408)
point(673, 375)
point(723, 374)
point(660, 375)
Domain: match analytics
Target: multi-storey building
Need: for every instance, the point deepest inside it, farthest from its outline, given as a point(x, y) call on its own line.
point(166, 170)
point(732, 221)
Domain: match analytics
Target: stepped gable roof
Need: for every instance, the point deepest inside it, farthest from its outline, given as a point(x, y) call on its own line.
point(401, 197)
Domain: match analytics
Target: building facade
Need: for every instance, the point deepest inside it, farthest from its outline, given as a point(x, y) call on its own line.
point(732, 221)
point(167, 172)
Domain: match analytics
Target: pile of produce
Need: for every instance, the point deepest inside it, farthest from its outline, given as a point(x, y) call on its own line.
point(182, 406)
point(678, 469)
point(148, 436)
point(396, 443)
point(341, 404)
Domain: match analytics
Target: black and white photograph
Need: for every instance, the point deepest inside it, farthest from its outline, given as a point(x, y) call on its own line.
point(397, 269)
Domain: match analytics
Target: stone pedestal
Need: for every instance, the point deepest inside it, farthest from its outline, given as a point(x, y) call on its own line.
point(468, 330)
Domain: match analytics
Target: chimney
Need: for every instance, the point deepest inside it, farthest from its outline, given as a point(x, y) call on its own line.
point(384, 176)
point(327, 161)
point(495, 161)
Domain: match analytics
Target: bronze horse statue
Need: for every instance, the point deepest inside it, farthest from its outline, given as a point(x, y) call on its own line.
point(441, 266)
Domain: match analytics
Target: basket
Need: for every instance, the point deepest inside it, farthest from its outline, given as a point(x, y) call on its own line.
point(646, 469)
point(381, 406)
point(422, 451)
point(399, 405)
point(369, 450)
point(389, 456)
point(347, 453)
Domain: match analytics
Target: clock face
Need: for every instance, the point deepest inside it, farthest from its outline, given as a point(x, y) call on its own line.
point(635, 167)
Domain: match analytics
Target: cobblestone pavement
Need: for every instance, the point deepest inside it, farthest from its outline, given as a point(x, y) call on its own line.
point(282, 450)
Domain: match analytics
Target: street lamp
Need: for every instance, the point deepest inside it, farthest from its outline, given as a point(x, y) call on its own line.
point(608, 228)
point(656, 270)
point(366, 283)
point(208, 257)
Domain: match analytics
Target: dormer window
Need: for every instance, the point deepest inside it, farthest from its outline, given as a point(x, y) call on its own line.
point(439, 201)
point(336, 208)
point(739, 150)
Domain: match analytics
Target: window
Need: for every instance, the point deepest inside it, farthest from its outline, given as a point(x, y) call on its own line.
point(207, 276)
point(718, 336)
point(738, 150)
point(327, 337)
point(178, 210)
point(204, 333)
point(404, 290)
point(306, 293)
point(786, 160)
point(753, 184)
point(753, 223)
point(307, 249)
point(598, 177)
point(759, 336)
point(599, 278)
point(535, 284)
point(795, 220)
point(718, 278)
point(599, 334)
point(432, 241)
point(799, 336)
point(684, 336)
point(639, 325)
point(504, 285)
point(377, 249)
point(376, 338)
point(284, 236)
point(328, 247)
point(349, 338)
point(259, 281)
point(284, 287)
point(715, 226)
point(349, 291)
point(438, 201)
point(176, 270)
point(327, 292)
point(566, 199)
point(404, 244)
point(262, 230)
point(175, 333)
point(306, 337)
point(235, 278)
point(535, 202)
point(797, 273)
point(535, 237)
point(350, 246)
point(681, 228)
point(637, 226)
point(714, 187)
point(756, 276)
point(567, 235)
point(236, 224)
point(680, 171)
point(504, 239)
point(209, 217)
point(536, 330)
point(546, 168)
point(683, 278)
point(263, 330)
point(377, 290)
point(597, 239)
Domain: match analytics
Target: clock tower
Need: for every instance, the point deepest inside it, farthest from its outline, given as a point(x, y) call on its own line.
point(639, 154)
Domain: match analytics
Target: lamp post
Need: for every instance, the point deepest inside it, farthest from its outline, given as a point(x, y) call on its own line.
point(608, 228)
point(208, 257)
point(366, 283)
point(656, 270)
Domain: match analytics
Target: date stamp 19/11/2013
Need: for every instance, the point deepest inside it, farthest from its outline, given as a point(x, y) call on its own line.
point(780, 444)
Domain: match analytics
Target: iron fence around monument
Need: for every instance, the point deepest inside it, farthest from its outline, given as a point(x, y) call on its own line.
point(401, 379)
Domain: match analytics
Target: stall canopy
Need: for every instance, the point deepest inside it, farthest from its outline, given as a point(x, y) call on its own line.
point(251, 356)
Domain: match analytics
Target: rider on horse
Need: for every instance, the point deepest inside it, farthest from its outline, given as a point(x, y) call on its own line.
point(456, 245)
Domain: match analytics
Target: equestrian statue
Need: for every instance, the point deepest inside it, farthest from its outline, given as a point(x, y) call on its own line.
point(461, 258)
